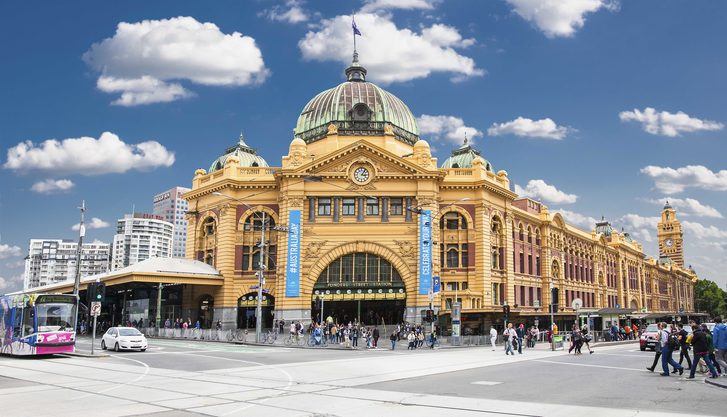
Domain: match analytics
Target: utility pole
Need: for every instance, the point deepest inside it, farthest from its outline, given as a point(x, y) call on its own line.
point(159, 308)
point(552, 323)
point(260, 283)
point(81, 233)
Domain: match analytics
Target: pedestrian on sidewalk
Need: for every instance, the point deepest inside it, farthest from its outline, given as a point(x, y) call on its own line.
point(393, 339)
point(520, 335)
point(587, 337)
point(669, 343)
point(410, 338)
point(493, 336)
point(657, 356)
point(719, 338)
point(683, 346)
point(701, 351)
point(510, 336)
point(375, 334)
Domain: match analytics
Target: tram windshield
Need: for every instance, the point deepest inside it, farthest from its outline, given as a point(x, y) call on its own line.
point(55, 313)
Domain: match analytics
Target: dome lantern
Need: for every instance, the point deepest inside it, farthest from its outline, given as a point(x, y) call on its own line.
point(244, 154)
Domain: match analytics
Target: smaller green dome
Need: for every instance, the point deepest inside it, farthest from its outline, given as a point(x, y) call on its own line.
point(464, 156)
point(604, 227)
point(247, 156)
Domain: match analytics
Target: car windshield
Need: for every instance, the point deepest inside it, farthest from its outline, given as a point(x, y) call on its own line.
point(129, 332)
point(652, 328)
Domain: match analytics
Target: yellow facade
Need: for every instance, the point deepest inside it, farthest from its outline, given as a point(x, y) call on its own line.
point(489, 246)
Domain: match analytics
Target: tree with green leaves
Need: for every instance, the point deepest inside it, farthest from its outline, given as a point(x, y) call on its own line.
point(710, 298)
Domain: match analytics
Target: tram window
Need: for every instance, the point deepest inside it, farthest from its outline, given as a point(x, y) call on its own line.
point(28, 325)
point(348, 207)
point(18, 323)
point(397, 206)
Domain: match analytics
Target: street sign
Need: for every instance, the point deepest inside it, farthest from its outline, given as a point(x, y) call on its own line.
point(536, 303)
point(431, 296)
point(95, 309)
point(618, 305)
point(577, 304)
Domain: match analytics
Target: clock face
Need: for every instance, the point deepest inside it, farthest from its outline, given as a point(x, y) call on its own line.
point(361, 174)
point(669, 242)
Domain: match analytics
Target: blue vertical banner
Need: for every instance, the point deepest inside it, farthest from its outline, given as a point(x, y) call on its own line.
point(425, 252)
point(436, 285)
point(292, 266)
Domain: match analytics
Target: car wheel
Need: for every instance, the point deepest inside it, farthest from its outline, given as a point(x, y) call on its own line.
point(143, 350)
point(103, 345)
point(116, 347)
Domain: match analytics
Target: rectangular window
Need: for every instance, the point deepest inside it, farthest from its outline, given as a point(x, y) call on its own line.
point(464, 255)
point(396, 206)
point(372, 206)
point(452, 256)
point(522, 263)
point(530, 296)
point(348, 206)
point(522, 296)
point(537, 265)
point(495, 294)
point(245, 258)
point(346, 268)
point(530, 264)
point(465, 285)
point(324, 206)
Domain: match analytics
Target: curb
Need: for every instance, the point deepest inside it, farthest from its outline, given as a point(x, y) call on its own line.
point(87, 355)
point(713, 381)
point(621, 342)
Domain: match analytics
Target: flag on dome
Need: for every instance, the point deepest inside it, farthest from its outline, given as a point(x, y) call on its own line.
point(355, 28)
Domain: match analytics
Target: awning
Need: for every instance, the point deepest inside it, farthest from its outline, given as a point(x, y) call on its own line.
point(614, 311)
point(639, 316)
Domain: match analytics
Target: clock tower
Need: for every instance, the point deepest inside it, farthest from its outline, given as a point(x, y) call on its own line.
point(669, 231)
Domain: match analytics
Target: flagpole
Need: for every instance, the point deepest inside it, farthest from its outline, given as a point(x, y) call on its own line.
point(353, 19)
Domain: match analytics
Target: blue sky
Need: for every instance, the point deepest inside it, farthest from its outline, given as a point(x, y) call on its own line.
point(596, 107)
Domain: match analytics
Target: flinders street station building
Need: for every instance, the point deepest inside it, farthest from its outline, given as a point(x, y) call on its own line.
point(360, 219)
point(376, 228)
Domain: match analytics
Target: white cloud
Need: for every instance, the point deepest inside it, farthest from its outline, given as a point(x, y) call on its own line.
point(141, 59)
point(540, 190)
point(690, 207)
point(559, 17)
point(49, 186)
point(291, 12)
point(448, 127)
point(443, 35)
point(701, 231)
point(543, 128)
point(576, 219)
point(374, 5)
point(14, 283)
point(389, 53)
point(639, 227)
point(143, 90)
point(88, 156)
point(668, 124)
point(95, 223)
point(7, 251)
point(670, 181)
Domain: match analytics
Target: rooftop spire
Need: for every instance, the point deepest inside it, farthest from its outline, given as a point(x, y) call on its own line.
point(355, 72)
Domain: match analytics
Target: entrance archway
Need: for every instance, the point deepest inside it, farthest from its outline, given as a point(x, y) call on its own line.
point(246, 309)
point(361, 287)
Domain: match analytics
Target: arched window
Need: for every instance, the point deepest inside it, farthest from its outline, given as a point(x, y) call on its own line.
point(497, 244)
point(209, 259)
point(252, 234)
point(208, 227)
point(521, 232)
point(453, 221)
point(452, 256)
point(530, 235)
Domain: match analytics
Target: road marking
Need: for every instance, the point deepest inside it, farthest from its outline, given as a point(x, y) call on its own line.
point(589, 366)
point(486, 383)
point(119, 385)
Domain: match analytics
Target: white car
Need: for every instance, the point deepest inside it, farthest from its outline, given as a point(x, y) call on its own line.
point(118, 338)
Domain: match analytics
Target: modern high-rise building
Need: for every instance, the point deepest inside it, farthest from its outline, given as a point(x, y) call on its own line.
point(51, 261)
point(141, 236)
point(172, 207)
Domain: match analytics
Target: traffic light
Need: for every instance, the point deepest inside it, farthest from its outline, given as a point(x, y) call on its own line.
point(96, 291)
point(429, 316)
point(506, 309)
point(554, 296)
point(318, 303)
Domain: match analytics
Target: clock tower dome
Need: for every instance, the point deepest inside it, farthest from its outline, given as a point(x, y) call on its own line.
point(669, 231)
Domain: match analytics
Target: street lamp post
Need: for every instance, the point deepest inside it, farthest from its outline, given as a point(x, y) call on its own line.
point(81, 233)
point(552, 322)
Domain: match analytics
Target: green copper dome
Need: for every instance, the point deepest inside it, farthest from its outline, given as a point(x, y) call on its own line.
point(604, 227)
point(245, 154)
point(464, 157)
point(356, 107)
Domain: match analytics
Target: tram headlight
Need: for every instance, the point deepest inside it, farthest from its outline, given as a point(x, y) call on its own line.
point(40, 338)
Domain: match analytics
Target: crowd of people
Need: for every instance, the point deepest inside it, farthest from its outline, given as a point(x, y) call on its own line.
point(514, 336)
point(710, 349)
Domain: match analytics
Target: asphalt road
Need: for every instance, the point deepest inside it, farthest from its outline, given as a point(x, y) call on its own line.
point(193, 378)
point(608, 378)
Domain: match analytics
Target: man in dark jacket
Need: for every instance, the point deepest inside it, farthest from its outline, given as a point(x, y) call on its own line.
point(376, 336)
point(683, 347)
point(701, 351)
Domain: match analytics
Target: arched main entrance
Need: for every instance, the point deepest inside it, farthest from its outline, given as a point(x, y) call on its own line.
point(246, 308)
point(359, 287)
